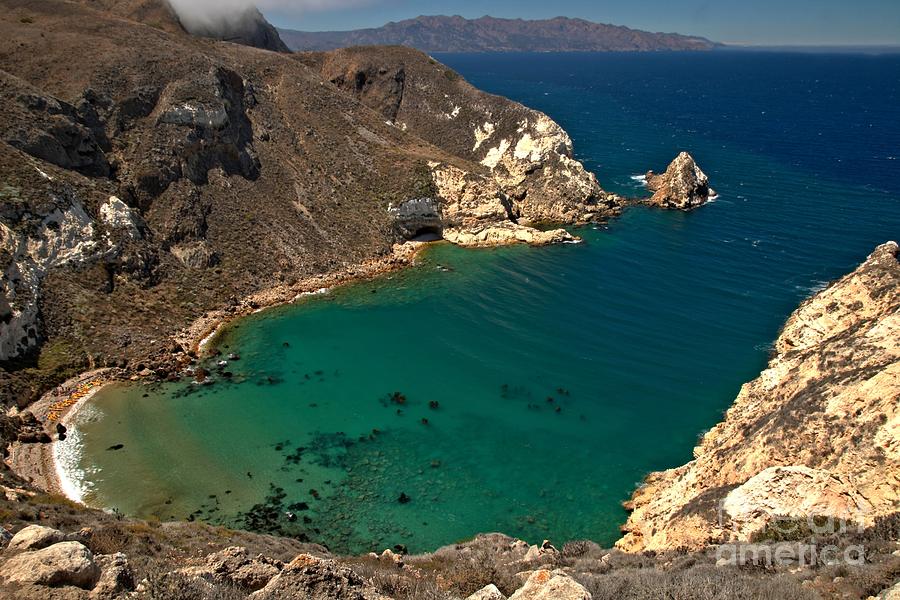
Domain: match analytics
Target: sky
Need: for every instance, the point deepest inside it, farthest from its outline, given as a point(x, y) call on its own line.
point(753, 22)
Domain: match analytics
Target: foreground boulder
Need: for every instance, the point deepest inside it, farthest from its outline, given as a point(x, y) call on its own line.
point(683, 186)
point(316, 579)
point(551, 585)
point(234, 566)
point(488, 592)
point(116, 576)
point(815, 435)
point(35, 537)
point(66, 563)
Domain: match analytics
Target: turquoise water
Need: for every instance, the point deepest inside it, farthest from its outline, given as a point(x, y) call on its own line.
point(550, 380)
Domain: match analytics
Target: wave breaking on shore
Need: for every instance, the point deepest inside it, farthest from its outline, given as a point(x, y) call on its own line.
point(67, 454)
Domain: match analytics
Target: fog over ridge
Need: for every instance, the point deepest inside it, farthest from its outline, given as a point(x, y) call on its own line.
point(214, 15)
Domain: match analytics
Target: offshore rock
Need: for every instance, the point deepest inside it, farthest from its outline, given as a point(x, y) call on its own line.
point(683, 186)
point(823, 419)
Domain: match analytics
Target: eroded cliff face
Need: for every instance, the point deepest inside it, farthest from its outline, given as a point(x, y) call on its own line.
point(521, 170)
point(816, 434)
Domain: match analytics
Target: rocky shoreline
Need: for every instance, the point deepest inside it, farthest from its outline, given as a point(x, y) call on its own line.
point(815, 434)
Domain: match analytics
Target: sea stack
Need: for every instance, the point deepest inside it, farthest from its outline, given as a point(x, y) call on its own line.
point(683, 186)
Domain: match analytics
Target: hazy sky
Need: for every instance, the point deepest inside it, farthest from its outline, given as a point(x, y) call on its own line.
point(736, 21)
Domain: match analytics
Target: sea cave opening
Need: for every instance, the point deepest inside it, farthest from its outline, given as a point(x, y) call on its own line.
point(428, 233)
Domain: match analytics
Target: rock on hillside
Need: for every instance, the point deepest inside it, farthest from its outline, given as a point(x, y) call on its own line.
point(151, 176)
point(816, 434)
point(62, 564)
point(683, 186)
point(551, 585)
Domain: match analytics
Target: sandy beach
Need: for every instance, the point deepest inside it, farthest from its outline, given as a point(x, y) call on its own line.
point(37, 462)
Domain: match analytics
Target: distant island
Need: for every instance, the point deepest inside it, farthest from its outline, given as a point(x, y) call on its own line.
point(489, 34)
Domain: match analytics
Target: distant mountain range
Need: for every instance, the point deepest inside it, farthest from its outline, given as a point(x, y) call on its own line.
point(488, 34)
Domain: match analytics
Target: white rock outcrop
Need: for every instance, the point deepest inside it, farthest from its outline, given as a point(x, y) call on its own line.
point(534, 166)
point(63, 237)
point(488, 592)
point(793, 492)
point(118, 215)
point(551, 585)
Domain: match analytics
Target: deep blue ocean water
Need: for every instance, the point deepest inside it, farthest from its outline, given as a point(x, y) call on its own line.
point(641, 336)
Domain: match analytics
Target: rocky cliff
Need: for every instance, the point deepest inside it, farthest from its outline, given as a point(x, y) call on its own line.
point(816, 435)
point(526, 172)
point(150, 176)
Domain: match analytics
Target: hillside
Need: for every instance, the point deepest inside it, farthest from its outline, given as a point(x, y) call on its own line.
point(150, 176)
point(489, 34)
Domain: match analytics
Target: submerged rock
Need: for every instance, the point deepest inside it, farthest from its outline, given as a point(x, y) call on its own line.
point(683, 186)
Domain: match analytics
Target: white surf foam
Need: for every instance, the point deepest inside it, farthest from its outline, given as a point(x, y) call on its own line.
point(67, 456)
point(813, 288)
point(642, 179)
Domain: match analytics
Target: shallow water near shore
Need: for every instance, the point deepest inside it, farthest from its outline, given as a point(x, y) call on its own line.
point(550, 380)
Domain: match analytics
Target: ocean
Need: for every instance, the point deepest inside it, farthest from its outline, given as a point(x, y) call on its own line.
point(529, 390)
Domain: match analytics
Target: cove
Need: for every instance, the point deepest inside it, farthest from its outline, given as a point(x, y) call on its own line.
point(553, 379)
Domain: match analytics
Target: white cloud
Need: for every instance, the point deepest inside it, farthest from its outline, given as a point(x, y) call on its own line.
point(213, 14)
